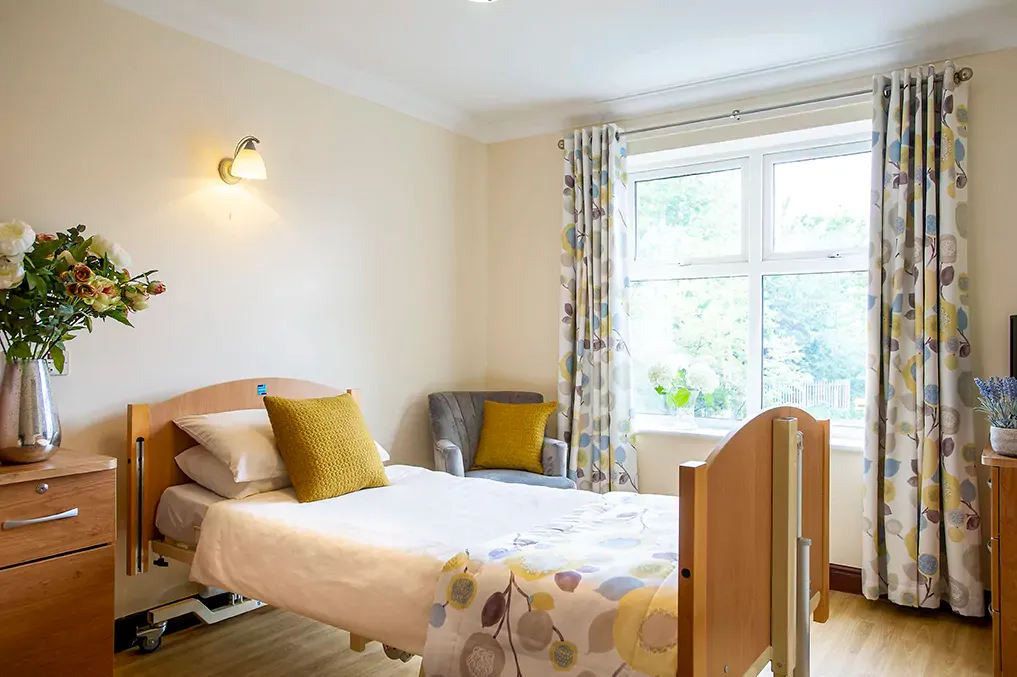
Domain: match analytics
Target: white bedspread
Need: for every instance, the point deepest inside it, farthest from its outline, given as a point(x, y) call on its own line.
point(366, 562)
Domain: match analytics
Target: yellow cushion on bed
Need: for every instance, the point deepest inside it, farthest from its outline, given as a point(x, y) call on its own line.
point(326, 446)
point(512, 437)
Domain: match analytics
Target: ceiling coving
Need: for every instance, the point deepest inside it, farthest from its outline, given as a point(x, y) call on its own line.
point(514, 68)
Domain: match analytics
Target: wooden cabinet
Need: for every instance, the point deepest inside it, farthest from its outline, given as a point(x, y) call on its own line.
point(1003, 560)
point(57, 529)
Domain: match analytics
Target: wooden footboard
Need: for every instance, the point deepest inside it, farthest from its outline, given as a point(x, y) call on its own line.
point(737, 545)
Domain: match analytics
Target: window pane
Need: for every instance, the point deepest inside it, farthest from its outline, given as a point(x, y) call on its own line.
point(822, 204)
point(699, 216)
point(683, 324)
point(814, 344)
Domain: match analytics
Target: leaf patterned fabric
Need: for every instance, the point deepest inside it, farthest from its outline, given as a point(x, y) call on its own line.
point(922, 542)
point(594, 592)
point(593, 361)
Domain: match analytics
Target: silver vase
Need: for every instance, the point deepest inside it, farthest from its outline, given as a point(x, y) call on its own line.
point(29, 424)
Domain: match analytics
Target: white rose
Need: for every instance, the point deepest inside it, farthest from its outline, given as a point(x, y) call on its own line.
point(701, 378)
point(100, 303)
point(16, 238)
point(116, 254)
point(12, 272)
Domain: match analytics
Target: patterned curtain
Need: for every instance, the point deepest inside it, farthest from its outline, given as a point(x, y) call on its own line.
point(922, 542)
point(593, 366)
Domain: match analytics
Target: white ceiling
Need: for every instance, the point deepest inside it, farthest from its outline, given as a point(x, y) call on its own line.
point(518, 67)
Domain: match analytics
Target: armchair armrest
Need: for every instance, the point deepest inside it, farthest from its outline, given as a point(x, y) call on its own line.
point(448, 458)
point(555, 458)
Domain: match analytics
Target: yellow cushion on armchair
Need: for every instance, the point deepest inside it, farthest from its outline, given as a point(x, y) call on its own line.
point(512, 436)
point(326, 446)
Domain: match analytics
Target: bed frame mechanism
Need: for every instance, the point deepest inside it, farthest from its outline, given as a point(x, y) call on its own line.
point(754, 519)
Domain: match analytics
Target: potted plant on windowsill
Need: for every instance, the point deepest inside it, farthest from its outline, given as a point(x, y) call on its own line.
point(998, 402)
point(52, 286)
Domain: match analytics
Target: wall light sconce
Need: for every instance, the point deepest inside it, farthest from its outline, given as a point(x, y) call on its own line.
point(246, 163)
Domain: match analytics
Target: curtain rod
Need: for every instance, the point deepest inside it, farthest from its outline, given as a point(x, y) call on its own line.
point(962, 75)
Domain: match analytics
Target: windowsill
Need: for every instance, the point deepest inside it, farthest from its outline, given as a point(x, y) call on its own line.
point(849, 440)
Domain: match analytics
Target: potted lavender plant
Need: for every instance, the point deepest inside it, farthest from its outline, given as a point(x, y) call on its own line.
point(998, 402)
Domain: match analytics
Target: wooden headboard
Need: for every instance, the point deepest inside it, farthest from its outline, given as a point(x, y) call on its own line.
point(153, 442)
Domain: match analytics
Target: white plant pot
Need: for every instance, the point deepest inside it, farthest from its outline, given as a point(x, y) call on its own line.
point(1003, 440)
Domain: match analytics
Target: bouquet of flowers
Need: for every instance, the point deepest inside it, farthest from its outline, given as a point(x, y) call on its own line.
point(54, 285)
point(682, 385)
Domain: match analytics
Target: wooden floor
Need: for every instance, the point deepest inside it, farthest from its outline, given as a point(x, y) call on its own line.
point(862, 639)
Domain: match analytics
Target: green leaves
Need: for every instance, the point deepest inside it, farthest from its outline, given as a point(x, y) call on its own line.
point(19, 350)
point(36, 282)
point(680, 397)
point(80, 250)
point(42, 250)
point(15, 302)
point(57, 355)
point(119, 316)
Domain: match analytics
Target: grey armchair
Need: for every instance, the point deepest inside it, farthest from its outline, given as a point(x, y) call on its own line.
point(456, 420)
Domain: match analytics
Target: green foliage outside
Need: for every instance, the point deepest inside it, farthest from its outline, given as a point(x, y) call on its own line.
point(813, 324)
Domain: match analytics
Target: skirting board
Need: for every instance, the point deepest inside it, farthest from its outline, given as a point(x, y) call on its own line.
point(849, 579)
point(845, 579)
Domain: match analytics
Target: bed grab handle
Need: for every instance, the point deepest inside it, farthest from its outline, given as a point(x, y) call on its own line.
point(803, 615)
point(139, 469)
point(17, 524)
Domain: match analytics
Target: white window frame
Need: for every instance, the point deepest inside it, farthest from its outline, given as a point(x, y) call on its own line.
point(756, 158)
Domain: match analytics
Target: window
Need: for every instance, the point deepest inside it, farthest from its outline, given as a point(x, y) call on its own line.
point(749, 282)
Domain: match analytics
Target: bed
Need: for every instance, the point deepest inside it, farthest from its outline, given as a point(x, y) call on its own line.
point(735, 574)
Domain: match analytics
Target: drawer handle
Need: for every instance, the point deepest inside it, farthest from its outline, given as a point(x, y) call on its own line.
point(17, 524)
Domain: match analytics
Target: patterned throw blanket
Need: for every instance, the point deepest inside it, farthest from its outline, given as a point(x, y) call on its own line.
point(594, 594)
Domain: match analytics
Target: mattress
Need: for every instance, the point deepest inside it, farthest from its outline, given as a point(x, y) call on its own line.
point(182, 509)
point(367, 562)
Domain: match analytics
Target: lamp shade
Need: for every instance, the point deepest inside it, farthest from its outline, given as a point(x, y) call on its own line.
point(248, 164)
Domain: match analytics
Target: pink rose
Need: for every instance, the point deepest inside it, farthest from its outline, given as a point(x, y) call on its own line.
point(82, 273)
point(85, 291)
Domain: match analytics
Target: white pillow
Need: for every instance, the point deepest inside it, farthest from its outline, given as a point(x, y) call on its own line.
point(385, 458)
point(243, 440)
point(204, 468)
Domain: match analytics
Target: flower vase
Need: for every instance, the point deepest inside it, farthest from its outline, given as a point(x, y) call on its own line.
point(1003, 440)
point(686, 416)
point(29, 424)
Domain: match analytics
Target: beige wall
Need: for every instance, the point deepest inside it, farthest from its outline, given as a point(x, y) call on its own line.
point(359, 262)
point(382, 252)
point(523, 248)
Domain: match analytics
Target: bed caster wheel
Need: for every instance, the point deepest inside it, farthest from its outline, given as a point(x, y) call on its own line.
point(396, 654)
point(149, 644)
point(150, 637)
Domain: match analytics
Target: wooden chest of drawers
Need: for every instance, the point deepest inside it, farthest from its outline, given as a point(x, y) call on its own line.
point(1003, 558)
point(57, 530)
